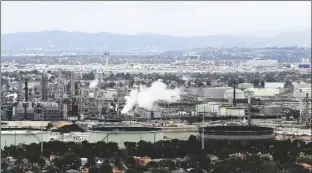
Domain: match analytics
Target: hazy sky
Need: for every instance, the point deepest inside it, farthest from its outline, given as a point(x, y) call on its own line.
point(172, 18)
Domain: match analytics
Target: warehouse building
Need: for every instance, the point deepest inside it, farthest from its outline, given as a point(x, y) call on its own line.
point(261, 62)
point(243, 86)
point(211, 93)
point(263, 92)
point(147, 113)
point(302, 92)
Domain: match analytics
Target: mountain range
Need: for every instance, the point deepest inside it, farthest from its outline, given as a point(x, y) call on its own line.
point(103, 41)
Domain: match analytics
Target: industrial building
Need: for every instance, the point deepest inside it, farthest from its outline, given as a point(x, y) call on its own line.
point(44, 87)
point(231, 111)
point(219, 109)
point(244, 86)
point(213, 93)
point(297, 85)
point(229, 94)
point(302, 92)
point(263, 92)
point(20, 112)
point(271, 110)
point(260, 62)
point(148, 113)
point(47, 111)
point(274, 85)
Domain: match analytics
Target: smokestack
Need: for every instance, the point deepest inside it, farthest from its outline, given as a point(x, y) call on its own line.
point(307, 107)
point(44, 86)
point(76, 88)
point(26, 90)
point(25, 104)
point(300, 108)
point(234, 94)
point(249, 113)
point(72, 83)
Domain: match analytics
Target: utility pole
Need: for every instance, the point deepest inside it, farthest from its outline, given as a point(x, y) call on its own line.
point(307, 107)
point(300, 108)
point(234, 94)
point(41, 130)
point(249, 113)
point(203, 131)
point(26, 97)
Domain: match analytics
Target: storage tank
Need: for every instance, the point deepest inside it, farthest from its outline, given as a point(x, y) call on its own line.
point(243, 86)
point(229, 94)
point(236, 133)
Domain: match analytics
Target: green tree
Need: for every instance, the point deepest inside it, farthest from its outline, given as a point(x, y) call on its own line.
point(167, 163)
point(130, 161)
point(41, 162)
point(106, 168)
point(224, 153)
point(94, 170)
point(90, 162)
point(88, 76)
point(292, 168)
point(152, 164)
point(204, 162)
point(16, 169)
point(49, 126)
point(68, 161)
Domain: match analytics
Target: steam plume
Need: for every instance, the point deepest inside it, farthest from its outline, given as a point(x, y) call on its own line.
point(146, 97)
point(94, 83)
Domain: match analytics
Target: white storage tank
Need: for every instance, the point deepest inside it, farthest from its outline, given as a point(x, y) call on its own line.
point(243, 86)
point(229, 94)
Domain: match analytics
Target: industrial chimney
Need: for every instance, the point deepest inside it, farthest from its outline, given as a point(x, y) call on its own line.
point(234, 94)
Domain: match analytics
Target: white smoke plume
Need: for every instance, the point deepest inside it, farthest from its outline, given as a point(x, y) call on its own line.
point(94, 83)
point(145, 97)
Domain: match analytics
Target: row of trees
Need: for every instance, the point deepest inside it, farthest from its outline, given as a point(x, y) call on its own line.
point(285, 153)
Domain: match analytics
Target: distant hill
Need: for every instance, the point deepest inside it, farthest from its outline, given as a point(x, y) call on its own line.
point(62, 40)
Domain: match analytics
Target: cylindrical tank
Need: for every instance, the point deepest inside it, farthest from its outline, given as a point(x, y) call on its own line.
point(229, 94)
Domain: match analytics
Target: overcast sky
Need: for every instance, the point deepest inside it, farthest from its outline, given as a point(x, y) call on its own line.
point(172, 18)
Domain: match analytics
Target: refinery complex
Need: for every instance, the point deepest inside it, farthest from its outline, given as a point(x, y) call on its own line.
point(162, 100)
point(156, 87)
